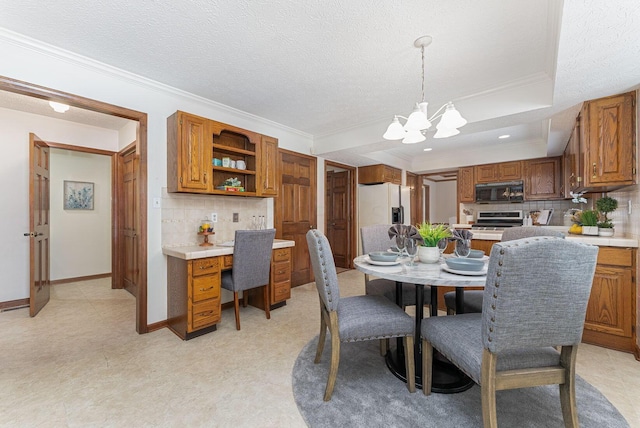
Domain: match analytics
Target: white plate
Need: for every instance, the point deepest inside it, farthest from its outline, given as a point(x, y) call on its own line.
point(465, 272)
point(227, 244)
point(373, 262)
point(483, 258)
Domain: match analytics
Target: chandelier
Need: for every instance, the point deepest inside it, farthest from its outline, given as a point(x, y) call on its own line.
point(419, 121)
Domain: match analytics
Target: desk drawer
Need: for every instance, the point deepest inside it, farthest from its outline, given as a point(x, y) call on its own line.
point(205, 266)
point(227, 262)
point(281, 255)
point(204, 314)
point(281, 291)
point(281, 272)
point(206, 287)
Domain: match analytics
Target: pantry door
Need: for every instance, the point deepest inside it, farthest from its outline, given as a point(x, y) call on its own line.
point(39, 268)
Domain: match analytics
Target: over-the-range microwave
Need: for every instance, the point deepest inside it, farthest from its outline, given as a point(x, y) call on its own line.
point(511, 191)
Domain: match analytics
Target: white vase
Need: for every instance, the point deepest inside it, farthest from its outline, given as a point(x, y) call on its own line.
point(428, 254)
point(606, 231)
point(590, 230)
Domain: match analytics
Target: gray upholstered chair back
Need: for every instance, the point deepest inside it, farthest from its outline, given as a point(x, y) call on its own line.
point(252, 258)
point(375, 238)
point(513, 233)
point(324, 269)
point(536, 293)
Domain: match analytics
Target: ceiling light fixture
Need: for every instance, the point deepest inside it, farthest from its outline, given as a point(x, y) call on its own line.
point(428, 149)
point(418, 121)
point(502, 137)
point(58, 107)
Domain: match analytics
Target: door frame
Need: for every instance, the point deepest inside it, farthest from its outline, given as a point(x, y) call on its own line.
point(352, 226)
point(36, 91)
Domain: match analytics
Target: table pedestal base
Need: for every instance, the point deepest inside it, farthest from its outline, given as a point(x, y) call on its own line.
point(447, 378)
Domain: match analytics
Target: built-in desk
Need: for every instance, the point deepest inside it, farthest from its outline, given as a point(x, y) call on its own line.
point(194, 301)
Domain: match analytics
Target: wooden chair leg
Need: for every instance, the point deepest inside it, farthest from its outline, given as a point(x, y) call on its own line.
point(427, 367)
point(236, 307)
point(568, 388)
point(409, 363)
point(267, 305)
point(450, 311)
point(245, 298)
point(335, 356)
point(488, 389)
point(322, 336)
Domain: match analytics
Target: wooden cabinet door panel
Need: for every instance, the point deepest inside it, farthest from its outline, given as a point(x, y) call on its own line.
point(466, 185)
point(609, 308)
point(195, 153)
point(268, 185)
point(486, 173)
point(610, 154)
point(510, 171)
point(543, 180)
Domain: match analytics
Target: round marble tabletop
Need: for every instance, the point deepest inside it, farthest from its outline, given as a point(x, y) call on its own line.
point(420, 273)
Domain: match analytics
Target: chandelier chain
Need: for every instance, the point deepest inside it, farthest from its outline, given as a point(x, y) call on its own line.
point(423, 96)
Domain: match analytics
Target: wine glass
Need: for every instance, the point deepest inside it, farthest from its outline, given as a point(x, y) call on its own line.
point(442, 245)
point(401, 242)
point(463, 247)
point(411, 246)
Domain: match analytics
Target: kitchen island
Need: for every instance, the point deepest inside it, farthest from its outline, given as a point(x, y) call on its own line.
point(194, 300)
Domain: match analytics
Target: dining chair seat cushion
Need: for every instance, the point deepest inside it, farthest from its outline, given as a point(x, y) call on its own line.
point(459, 338)
point(372, 317)
point(472, 300)
point(387, 288)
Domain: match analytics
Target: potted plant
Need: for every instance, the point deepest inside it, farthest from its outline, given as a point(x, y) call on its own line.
point(589, 221)
point(431, 234)
point(606, 205)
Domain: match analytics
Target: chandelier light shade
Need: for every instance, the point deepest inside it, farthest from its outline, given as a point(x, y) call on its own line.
point(419, 121)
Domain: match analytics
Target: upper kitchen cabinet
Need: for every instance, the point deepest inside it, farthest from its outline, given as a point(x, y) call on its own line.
point(572, 161)
point(268, 185)
point(608, 145)
point(466, 184)
point(494, 172)
point(543, 179)
point(376, 174)
point(188, 154)
point(205, 156)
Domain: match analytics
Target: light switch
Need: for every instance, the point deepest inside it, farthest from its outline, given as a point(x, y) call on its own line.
point(236, 217)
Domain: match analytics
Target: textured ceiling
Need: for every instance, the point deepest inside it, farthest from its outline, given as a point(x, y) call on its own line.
point(340, 70)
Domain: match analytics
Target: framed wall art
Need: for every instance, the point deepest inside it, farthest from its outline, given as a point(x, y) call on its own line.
point(78, 195)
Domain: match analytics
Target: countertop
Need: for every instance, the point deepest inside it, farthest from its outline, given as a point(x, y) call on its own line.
point(198, 252)
point(615, 241)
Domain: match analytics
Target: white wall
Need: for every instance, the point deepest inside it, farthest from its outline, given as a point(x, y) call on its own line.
point(80, 239)
point(14, 186)
point(34, 62)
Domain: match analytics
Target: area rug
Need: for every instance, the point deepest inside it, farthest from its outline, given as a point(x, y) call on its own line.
point(368, 395)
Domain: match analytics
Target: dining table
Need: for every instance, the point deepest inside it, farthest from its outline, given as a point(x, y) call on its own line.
point(446, 378)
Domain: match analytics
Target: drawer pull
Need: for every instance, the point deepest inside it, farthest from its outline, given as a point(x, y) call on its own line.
point(206, 267)
point(280, 271)
point(206, 314)
point(206, 289)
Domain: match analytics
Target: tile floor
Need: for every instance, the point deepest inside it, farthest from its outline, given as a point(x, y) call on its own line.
point(80, 363)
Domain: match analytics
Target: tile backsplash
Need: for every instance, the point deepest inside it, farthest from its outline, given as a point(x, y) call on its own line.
point(182, 215)
point(557, 219)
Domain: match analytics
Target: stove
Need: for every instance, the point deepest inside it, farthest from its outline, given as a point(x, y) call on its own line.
point(498, 220)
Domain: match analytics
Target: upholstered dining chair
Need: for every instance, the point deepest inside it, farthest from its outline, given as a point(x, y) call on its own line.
point(251, 266)
point(376, 238)
point(355, 318)
point(512, 343)
point(473, 298)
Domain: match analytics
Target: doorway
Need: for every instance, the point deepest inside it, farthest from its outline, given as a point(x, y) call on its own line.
point(339, 203)
point(28, 89)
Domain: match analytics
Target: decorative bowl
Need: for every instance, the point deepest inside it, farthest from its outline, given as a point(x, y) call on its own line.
point(465, 264)
point(476, 254)
point(383, 256)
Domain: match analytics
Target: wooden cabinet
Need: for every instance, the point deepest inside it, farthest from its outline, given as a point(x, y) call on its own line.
point(188, 154)
point(193, 301)
point(572, 161)
point(607, 146)
point(268, 184)
point(496, 172)
point(376, 174)
point(279, 282)
point(611, 314)
point(543, 179)
point(466, 184)
point(194, 142)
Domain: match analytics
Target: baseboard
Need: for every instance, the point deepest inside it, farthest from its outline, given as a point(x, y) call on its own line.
point(157, 326)
point(80, 278)
point(13, 304)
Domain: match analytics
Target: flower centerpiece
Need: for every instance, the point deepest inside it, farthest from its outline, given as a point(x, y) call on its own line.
point(606, 205)
point(431, 234)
